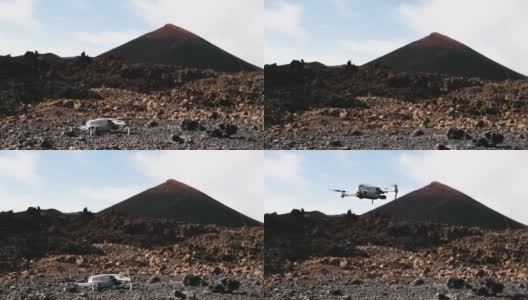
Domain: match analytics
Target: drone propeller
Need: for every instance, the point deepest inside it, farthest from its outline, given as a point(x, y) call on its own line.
point(338, 191)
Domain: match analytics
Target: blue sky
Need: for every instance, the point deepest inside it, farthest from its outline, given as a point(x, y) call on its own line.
point(302, 179)
point(68, 27)
point(335, 31)
point(72, 180)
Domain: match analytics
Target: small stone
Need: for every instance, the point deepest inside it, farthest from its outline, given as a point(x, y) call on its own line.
point(442, 296)
point(231, 284)
point(46, 144)
point(456, 134)
point(482, 291)
point(456, 283)
point(418, 132)
point(335, 143)
point(418, 281)
point(217, 288)
point(190, 125)
point(214, 115)
point(493, 286)
point(178, 294)
point(481, 142)
point(495, 137)
point(356, 133)
point(216, 133)
point(191, 280)
point(153, 279)
point(335, 292)
point(151, 124)
point(177, 139)
point(229, 129)
point(442, 147)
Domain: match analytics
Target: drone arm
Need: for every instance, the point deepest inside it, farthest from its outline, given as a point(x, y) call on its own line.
point(348, 195)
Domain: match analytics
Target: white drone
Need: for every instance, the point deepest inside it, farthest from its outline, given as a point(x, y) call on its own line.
point(106, 281)
point(103, 125)
point(370, 192)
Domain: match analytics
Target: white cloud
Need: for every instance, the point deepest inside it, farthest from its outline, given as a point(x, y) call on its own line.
point(286, 19)
point(285, 54)
point(231, 177)
point(491, 27)
point(284, 167)
point(18, 12)
point(358, 51)
point(15, 46)
point(109, 195)
point(19, 165)
point(106, 40)
point(234, 25)
point(362, 52)
point(495, 178)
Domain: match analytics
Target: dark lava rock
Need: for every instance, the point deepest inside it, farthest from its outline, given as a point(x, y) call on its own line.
point(214, 115)
point(335, 143)
point(456, 134)
point(456, 283)
point(442, 147)
point(482, 291)
point(494, 137)
point(216, 133)
point(192, 280)
point(225, 285)
point(223, 130)
point(153, 279)
point(229, 129)
point(418, 281)
point(442, 296)
point(418, 132)
point(356, 133)
point(191, 125)
point(179, 295)
point(481, 142)
point(217, 288)
point(230, 284)
point(493, 286)
point(177, 139)
point(46, 144)
point(151, 123)
point(335, 292)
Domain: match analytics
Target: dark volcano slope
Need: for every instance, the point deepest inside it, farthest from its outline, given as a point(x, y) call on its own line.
point(440, 203)
point(437, 53)
point(171, 45)
point(176, 201)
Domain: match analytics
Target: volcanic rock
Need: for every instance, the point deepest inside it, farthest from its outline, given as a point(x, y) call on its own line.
point(180, 202)
point(172, 45)
point(440, 203)
point(438, 53)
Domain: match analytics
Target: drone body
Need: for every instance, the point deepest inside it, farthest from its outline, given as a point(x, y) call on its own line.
point(106, 281)
point(102, 125)
point(370, 192)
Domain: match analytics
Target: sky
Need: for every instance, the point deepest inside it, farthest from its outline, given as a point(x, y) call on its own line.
point(69, 27)
point(71, 180)
point(336, 31)
point(302, 179)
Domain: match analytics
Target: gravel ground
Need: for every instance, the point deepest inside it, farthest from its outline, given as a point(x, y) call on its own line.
point(169, 287)
point(403, 290)
point(166, 136)
point(402, 139)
